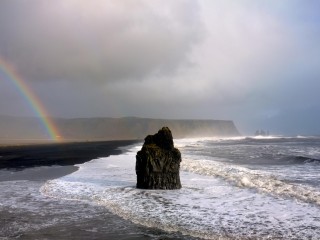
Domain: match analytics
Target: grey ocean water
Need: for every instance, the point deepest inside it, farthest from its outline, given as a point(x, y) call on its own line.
point(26, 213)
point(236, 188)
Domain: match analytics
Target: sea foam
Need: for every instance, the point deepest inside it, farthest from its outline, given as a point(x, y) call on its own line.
point(244, 177)
point(247, 205)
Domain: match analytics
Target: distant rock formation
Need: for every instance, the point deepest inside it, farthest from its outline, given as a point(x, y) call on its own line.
point(158, 162)
point(261, 133)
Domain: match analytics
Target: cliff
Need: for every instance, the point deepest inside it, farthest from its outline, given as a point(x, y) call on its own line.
point(113, 128)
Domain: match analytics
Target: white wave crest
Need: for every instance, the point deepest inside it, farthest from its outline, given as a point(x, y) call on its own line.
point(244, 177)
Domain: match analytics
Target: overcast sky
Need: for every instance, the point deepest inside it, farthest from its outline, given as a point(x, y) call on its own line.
point(251, 61)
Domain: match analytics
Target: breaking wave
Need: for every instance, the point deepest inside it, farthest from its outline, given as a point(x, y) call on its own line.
point(244, 177)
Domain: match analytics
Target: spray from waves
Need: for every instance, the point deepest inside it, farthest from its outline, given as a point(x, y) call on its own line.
point(182, 142)
point(267, 137)
point(244, 177)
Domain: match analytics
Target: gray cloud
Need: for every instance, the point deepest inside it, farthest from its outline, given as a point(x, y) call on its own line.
point(97, 40)
point(251, 61)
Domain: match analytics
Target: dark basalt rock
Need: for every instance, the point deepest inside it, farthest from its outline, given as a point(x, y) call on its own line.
point(158, 162)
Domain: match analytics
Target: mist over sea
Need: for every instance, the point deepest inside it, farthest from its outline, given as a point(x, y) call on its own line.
point(233, 188)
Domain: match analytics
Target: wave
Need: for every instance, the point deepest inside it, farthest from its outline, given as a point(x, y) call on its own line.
point(301, 160)
point(281, 137)
point(182, 142)
point(266, 137)
point(307, 136)
point(301, 136)
point(244, 177)
point(150, 208)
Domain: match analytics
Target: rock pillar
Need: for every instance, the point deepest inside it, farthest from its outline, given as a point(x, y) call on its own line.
point(158, 162)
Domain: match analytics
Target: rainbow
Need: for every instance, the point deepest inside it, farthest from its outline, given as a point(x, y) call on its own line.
point(33, 101)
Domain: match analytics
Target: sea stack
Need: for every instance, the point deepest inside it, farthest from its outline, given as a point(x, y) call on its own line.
point(158, 162)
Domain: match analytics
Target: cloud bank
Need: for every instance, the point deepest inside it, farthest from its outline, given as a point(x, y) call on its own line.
point(251, 61)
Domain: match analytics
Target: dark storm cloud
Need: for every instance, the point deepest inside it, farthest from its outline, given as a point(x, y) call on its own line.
point(97, 40)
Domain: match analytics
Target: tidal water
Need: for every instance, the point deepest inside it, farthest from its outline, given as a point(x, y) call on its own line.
point(236, 188)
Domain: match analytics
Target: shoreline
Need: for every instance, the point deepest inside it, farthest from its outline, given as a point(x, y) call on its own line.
point(37, 216)
point(39, 174)
point(19, 157)
point(28, 214)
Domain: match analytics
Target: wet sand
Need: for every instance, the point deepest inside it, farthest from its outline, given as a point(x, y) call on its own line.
point(62, 154)
point(36, 173)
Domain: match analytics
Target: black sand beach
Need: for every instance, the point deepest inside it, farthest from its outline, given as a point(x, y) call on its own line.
point(62, 154)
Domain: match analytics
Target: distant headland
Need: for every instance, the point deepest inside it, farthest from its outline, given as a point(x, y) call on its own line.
point(126, 128)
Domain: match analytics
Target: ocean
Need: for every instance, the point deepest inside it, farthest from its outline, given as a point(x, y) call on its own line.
point(233, 188)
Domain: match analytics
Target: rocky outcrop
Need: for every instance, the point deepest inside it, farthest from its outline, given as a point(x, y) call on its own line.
point(158, 162)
